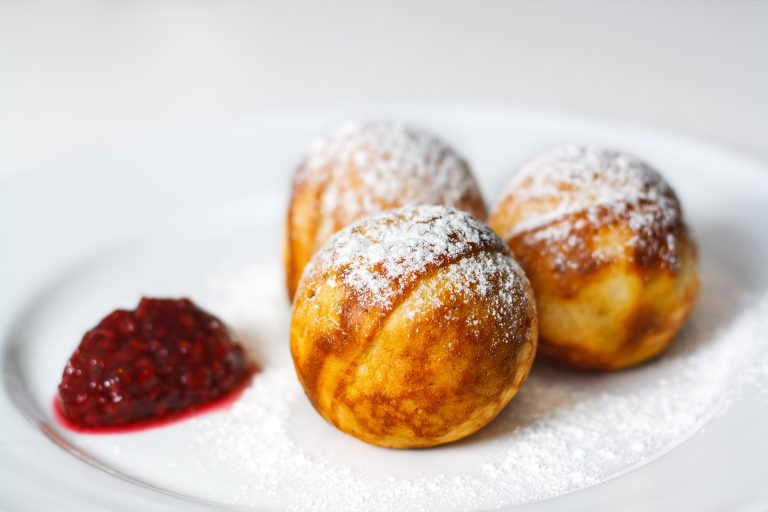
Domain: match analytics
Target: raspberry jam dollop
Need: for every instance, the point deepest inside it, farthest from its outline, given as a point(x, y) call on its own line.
point(160, 361)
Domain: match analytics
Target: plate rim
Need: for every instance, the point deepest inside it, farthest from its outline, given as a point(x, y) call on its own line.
point(747, 164)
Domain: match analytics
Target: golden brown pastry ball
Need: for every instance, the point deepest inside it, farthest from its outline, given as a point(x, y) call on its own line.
point(413, 328)
point(363, 169)
point(601, 236)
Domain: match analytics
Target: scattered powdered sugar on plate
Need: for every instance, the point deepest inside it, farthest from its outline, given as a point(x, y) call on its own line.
point(369, 167)
point(564, 431)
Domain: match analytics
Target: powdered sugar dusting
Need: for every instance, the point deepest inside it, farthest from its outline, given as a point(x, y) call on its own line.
point(495, 279)
point(564, 431)
point(370, 167)
point(379, 257)
point(583, 186)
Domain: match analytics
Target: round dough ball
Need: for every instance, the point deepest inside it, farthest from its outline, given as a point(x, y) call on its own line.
point(601, 236)
point(363, 169)
point(413, 328)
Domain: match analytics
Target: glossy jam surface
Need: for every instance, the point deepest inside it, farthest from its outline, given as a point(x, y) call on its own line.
point(149, 366)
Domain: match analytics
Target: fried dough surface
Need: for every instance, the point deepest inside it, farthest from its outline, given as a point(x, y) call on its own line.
point(366, 168)
point(413, 328)
point(602, 238)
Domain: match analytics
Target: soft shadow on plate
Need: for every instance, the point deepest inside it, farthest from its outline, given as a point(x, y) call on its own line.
point(726, 258)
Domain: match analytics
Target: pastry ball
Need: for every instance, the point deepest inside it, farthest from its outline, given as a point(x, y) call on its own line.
point(413, 328)
point(363, 169)
point(601, 236)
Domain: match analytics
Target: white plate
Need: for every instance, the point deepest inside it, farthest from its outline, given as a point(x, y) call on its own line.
point(199, 213)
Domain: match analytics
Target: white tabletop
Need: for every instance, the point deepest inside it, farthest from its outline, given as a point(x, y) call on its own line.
point(78, 74)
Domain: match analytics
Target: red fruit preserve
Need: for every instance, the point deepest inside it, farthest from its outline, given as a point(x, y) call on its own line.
point(147, 366)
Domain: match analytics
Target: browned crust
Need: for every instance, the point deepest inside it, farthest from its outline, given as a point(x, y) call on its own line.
point(304, 218)
point(299, 242)
point(573, 257)
point(381, 417)
point(562, 269)
point(649, 333)
point(359, 315)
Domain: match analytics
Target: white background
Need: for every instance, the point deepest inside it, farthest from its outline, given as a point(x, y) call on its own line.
point(76, 74)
